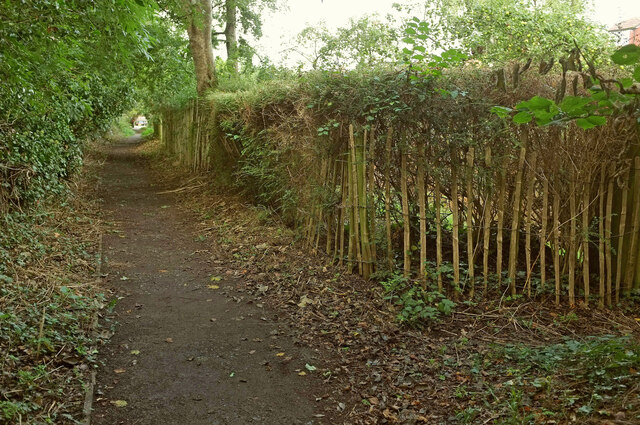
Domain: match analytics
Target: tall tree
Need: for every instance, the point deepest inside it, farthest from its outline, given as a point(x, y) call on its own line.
point(239, 16)
point(198, 20)
point(231, 35)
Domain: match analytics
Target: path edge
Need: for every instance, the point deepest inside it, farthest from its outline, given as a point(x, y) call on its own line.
point(88, 396)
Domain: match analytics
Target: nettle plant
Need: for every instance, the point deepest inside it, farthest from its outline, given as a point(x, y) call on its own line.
point(605, 98)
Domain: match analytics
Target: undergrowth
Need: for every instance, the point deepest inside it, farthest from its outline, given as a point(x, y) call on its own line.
point(48, 299)
point(416, 305)
point(580, 380)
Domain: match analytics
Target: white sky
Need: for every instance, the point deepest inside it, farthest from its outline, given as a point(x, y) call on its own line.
point(281, 27)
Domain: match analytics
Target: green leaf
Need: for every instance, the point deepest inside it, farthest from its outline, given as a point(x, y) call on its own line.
point(522, 117)
point(309, 367)
point(597, 120)
point(626, 55)
point(536, 102)
point(501, 111)
point(590, 122)
point(636, 73)
point(574, 105)
point(626, 82)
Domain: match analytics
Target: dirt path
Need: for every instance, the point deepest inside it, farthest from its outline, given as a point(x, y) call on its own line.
point(187, 349)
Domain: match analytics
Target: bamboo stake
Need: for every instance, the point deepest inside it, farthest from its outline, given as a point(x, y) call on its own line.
point(343, 209)
point(470, 159)
point(633, 253)
point(324, 172)
point(572, 241)
point(601, 256)
point(487, 224)
point(513, 243)
point(422, 206)
point(585, 239)
point(543, 233)
point(405, 214)
point(623, 222)
point(372, 206)
point(456, 224)
point(331, 214)
point(364, 223)
point(438, 202)
point(351, 253)
point(608, 235)
point(354, 194)
point(387, 199)
point(528, 219)
point(556, 243)
point(500, 224)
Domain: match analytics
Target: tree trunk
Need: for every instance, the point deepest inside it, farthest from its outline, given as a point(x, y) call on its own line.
point(231, 36)
point(198, 13)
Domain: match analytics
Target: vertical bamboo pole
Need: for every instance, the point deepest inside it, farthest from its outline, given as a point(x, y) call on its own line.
point(556, 243)
point(456, 224)
point(528, 219)
point(387, 199)
point(469, 195)
point(633, 252)
point(364, 222)
point(572, 241)
point(543, 233)
point(372, 200)
point(601, 256)
point(350, 209)
point(438, 202)
point(343, 209)
point(502, 189)
point(515, 219)
point(331, 214)
point(422, 206)
point(621, 235)
point(585, 238)
point(355, 203)
point(608, 235)
point(405, 213)
point(487, 222)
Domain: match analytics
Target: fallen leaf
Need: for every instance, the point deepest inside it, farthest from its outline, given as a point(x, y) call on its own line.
point(309, 367)
point(303, 373)
point(215, 278)
point(163, 271)
point(119, 403)
point(280, 354)
point(304, 301)
point(169, 340)
point(119, 370)
point(124, 278)
point(213, 287)
point(135, 352)
point(232, 374)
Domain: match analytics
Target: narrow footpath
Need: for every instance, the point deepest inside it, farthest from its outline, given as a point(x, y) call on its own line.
point(187, 349)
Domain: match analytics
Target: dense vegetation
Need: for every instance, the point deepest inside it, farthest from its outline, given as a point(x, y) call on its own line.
point(404, 101)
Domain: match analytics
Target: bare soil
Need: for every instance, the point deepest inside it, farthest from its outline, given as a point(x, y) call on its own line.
point(189, 346)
